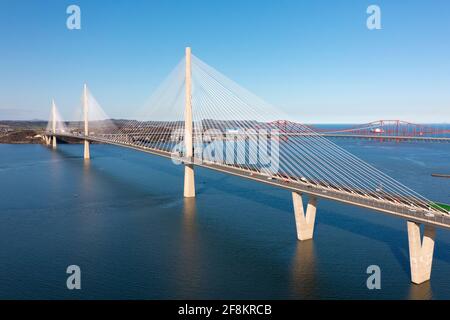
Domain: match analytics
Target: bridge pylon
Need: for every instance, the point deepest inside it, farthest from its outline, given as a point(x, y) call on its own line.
point(420, 251)
point(189, 178)
point(86, 122)
point(53, 124)
point(304, 222)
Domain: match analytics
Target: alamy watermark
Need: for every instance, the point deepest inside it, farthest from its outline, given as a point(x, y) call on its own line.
point(374, 280)
point(73, 22)
point(256, 149)
point(74, 280)
point(374, 20)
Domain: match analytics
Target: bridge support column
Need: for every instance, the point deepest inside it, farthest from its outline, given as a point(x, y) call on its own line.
point(189, 181)
point(87, 154)
point(189, 178)
point(420, 251)
point(53, 124)
point(304, 222)
point(86, 150)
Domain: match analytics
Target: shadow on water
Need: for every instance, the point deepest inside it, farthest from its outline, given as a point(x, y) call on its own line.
point(188, 262)
point(381, 233)
point(303, 269)
point(375, 232)
point(223, 184)
point(420, 292)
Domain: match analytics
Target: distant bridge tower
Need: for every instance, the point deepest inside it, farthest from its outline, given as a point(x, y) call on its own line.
point(86, 122)
point(53, 124)
point(189, 179)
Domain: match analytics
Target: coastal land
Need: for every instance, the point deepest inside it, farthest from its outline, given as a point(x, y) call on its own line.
point(19, 132)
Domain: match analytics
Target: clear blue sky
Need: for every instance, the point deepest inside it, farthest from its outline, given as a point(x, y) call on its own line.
point(314, 59)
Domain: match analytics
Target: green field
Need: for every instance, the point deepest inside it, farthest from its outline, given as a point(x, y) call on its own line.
point(438, 205)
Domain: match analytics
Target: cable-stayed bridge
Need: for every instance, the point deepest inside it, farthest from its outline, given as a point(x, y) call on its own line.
point(200, 118)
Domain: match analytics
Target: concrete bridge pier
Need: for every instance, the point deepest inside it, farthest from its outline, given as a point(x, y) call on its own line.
point(86, 150)
point(420, 251)
point(189, 181)
point(189, 178)
point(47, 140)
point(53, 124)
point(87, 154)
point(304, 222)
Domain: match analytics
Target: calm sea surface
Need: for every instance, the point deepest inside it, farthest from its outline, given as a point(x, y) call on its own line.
point(122, 218)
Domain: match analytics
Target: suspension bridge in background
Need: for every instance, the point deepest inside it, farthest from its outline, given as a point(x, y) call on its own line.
point(200, 118)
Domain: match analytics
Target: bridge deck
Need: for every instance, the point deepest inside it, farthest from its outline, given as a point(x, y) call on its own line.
point(399, 209)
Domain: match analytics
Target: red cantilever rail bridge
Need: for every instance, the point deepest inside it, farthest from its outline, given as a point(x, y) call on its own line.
point(380, 129)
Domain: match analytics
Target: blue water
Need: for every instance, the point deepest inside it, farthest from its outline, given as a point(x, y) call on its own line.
point(121, 217)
